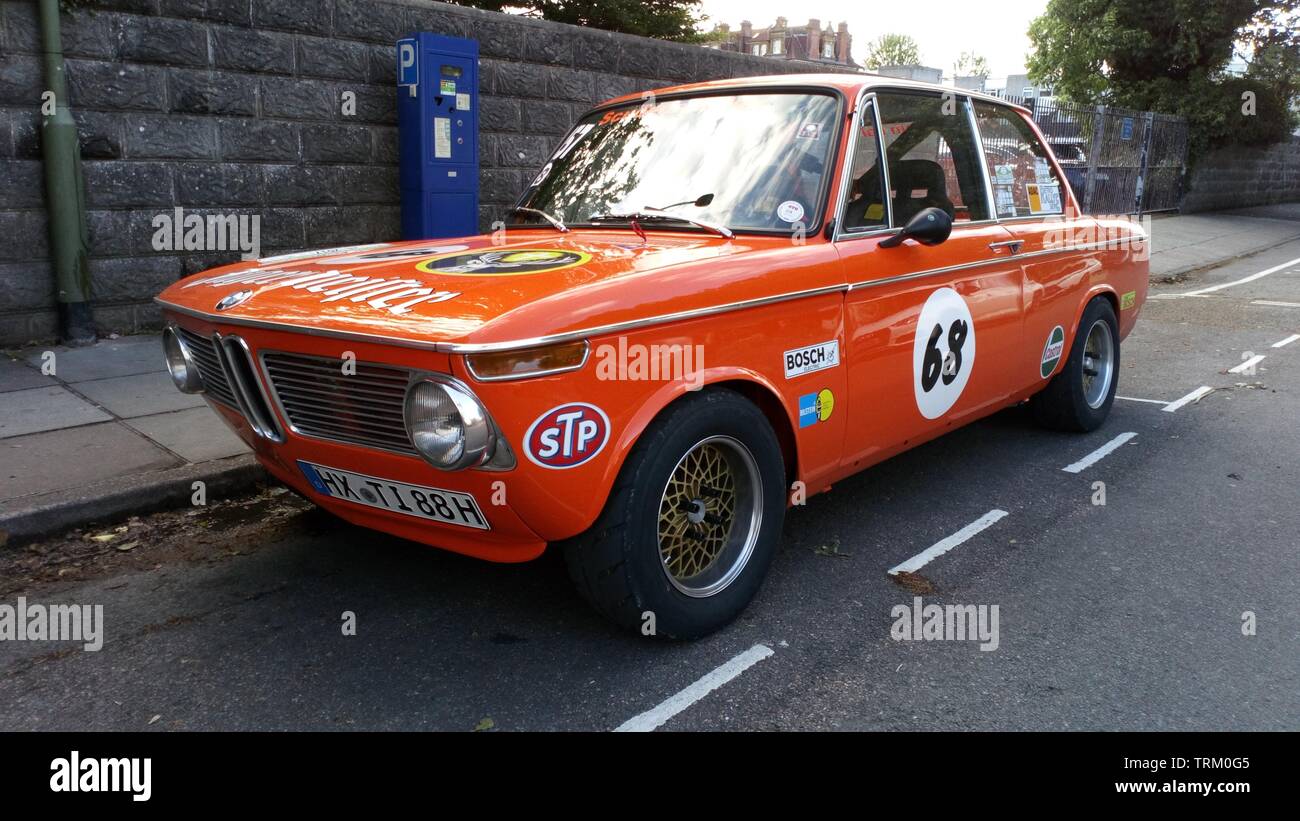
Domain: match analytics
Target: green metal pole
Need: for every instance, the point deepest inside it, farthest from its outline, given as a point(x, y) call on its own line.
point(65, 192)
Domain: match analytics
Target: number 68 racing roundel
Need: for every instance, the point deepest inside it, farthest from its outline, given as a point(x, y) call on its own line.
point(944, 352)
point(567, 435)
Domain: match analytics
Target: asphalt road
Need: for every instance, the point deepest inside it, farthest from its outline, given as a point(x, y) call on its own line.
point(1127, 615)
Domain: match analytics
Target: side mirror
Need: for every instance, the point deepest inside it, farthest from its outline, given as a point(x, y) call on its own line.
point(930, 226)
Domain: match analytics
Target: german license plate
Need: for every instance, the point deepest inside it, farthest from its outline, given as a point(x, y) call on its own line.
point(412, 500)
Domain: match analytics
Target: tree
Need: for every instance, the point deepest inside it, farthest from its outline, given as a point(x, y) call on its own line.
point(970, 64)
point(663, 19)
point(892, 50)
point(1162, 55)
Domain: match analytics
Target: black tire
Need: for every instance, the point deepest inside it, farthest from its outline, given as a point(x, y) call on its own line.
point(617, 565)
point(1063, 404)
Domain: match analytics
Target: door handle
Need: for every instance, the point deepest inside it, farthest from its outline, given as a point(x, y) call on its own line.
point(1012, 245)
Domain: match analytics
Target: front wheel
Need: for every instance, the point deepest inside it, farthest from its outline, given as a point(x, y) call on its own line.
point(692, 523)
point(1079, 397)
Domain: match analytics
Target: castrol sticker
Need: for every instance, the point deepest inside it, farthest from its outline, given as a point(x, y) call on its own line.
point(566, 436)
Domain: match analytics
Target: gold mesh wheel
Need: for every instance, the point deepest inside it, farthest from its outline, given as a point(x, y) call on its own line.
point(709, 516)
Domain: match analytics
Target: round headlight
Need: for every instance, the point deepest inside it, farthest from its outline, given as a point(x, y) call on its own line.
point(180, 364)
point(447, 425)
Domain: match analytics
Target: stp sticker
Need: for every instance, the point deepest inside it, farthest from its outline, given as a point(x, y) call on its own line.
point(813, 358)
point(943, 353)
point(1052, 351)
point(567, 436)
point(816, 407)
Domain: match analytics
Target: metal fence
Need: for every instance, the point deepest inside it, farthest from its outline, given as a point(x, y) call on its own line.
point(1118, 161)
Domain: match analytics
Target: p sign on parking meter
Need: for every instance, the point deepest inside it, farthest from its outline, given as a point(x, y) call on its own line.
point(408, 65)
point(437, 120)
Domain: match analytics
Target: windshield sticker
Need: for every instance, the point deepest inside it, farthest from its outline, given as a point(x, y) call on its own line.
point(790, 211)
point(541, 175)
point(1043, 171)
point(1006, 199)
point(505, 263)
point(809, 131)
point(1004, 174)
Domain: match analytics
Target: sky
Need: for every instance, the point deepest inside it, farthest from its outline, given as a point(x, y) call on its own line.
point(942, 28)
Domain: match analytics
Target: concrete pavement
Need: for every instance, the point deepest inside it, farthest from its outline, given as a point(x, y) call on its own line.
point(101, 431)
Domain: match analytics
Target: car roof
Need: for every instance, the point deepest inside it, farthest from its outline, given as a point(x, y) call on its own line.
point(850, 84)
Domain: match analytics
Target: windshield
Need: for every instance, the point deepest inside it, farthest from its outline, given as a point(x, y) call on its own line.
point(745, 161)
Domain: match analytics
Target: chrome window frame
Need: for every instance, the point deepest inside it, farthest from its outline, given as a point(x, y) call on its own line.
point(865, 97)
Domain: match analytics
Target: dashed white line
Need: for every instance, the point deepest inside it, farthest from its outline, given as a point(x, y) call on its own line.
point(1098, 454)
point(1189, 398)
point(656, 716)
point(1287, 341)
point(1135, 399)
point(1248, 364)
point(941, 547)
point(1275, 303)
point(1243, 280)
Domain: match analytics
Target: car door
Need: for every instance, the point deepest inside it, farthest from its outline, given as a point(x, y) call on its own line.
point(1035, 205)
point(929, 329)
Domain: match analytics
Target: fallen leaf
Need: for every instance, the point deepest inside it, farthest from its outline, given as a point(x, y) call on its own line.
point(125, 546)
point(155, 718)
point(484, 725)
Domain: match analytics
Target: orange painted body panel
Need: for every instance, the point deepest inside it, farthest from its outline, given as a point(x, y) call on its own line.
point(746, 301)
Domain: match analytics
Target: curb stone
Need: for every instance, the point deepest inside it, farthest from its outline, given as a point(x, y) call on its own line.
point(24, 520)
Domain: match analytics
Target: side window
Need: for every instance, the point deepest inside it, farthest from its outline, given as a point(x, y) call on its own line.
point(866, 201)
point(932, 158)
point(1024, 181)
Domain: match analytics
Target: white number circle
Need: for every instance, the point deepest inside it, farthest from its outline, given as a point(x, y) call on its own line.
point(943, 353)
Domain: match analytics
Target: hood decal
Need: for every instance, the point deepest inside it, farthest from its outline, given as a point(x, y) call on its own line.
point(508, 262)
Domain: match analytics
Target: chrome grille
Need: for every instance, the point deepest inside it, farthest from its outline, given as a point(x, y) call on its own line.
point(204, 351)
point(362, 408)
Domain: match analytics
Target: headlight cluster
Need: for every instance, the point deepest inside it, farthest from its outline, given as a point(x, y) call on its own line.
point(450, 429)
point(180, 363)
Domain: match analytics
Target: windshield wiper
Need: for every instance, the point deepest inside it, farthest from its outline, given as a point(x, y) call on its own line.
point(656, 214)
point(539, 212)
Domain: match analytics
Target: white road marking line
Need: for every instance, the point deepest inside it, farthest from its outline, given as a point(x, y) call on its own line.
point(941, 547)
point(1275, 303)
point(1098, 454)
point(656, 716)
point(1135, 399)
point(1191, 397)
point(1287, 341)
point(1248, 364)
point(1243, 280)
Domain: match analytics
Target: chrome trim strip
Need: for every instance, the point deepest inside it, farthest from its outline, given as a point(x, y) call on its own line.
point(884, 164)
point(871, 283)
point(983, 160)
point(846, 182)
point(515, 377)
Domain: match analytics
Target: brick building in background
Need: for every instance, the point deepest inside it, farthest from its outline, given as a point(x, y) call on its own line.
point(782, 41)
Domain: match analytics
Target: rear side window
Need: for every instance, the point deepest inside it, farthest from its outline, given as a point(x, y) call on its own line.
point(1024, 181)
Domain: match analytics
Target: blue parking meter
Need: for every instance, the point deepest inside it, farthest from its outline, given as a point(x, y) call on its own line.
point(437, 119)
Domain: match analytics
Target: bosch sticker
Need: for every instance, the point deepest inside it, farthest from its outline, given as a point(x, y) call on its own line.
point(811, 359)
point(567, 436)
point(943, 353)
point(815, 407)
point(505, 263)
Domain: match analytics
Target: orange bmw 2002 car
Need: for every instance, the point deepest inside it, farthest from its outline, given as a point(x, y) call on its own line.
point(711, 301)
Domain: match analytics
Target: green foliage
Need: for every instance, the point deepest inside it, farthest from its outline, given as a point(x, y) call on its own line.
point(892, 50)
point(662, 19)
point(1170, 56)
point(970, 64)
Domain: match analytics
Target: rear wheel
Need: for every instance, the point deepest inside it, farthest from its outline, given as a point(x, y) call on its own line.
point(1079, 397)
point(692, 523)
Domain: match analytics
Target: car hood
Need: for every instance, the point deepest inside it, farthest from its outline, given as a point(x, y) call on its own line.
point(471, 290)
